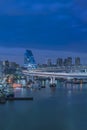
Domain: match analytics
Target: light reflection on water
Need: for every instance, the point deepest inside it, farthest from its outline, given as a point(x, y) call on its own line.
point(63, 108)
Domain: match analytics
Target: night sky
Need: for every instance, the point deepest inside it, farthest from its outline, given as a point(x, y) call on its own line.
point(44, 24)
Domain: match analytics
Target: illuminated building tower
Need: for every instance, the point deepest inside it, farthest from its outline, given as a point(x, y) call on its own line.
point(29, 61)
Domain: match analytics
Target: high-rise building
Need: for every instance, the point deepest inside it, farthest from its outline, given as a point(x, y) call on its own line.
point(13, 65)
point(65, 62)
point(29, 61)
point(49, 63)
point(77, 61)
point(69, 61)
point(1, 68)
point(6, 63)
point(59, 62)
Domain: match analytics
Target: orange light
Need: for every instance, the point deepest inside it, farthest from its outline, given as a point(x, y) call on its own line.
point(15, 85)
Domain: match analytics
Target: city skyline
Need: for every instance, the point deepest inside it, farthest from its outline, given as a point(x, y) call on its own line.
point(41, 56)
point(46, 25)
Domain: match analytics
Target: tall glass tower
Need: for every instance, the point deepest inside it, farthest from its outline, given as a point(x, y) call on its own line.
point(29, 61)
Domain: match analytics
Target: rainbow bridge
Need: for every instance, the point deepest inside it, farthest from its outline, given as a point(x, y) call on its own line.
point(56, 74)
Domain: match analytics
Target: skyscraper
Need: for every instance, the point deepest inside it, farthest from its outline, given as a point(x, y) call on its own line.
point(65, 62)
point(69, 61)
point(77, 61)
point(59, 62)
point(29, 61)
point(49, 63)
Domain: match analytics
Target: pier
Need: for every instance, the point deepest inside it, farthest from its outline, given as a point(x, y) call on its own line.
point(19, 98)
point(5, 99)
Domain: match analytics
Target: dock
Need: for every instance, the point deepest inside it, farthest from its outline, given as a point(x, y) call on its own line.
point(4, 99)
point(19, 98)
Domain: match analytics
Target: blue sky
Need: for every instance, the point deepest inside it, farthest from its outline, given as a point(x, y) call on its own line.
point(44, 24)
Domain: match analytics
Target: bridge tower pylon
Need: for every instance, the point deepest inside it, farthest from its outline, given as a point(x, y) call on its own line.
point(52, 82)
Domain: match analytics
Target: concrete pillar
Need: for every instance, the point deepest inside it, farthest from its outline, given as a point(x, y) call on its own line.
point(43, 83)
point(52, 82)
point(27, 77)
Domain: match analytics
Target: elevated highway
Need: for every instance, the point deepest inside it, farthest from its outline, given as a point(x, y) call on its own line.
point(56, 74)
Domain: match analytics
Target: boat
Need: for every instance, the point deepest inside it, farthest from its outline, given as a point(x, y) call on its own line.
point(9, 92)
point(53, 85)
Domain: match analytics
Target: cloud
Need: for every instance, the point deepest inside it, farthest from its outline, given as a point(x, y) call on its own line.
point(52, 7)
point(79, 9)
point(25, 7)
point(53, 22)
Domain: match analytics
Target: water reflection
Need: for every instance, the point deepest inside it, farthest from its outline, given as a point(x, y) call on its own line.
point(73, 87)
point(61, 86)
point(63, 107)
point(53, 90)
